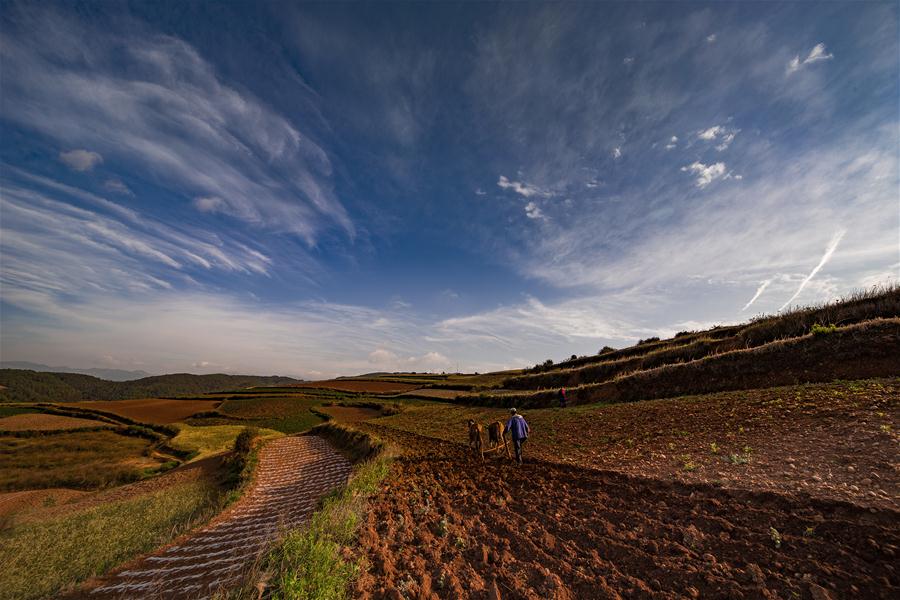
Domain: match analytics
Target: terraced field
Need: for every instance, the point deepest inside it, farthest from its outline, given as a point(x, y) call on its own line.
point(150, 410)
point(42, 422)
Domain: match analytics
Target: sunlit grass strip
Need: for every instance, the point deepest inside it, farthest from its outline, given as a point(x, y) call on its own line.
point(308, 563)
point(39, 559)
point(207, 441)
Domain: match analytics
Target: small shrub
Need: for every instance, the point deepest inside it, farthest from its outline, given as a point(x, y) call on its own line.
point(443, 527)
point(737, 459)
point(818, 329)
point(243, 443)
point(714, 448)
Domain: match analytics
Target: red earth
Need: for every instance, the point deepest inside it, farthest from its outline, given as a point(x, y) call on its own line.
point(359, 385)
point(446, 526)
point(837, 440)
point(149, 410)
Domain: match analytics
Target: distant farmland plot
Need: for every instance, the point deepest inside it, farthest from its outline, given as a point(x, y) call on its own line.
point(82, 460)
point(288, 415)
point(152, 410)
point(42, 422)
point(210, 440)
point(360, 385)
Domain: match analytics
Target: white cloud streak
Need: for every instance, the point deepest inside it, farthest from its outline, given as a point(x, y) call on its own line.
point(829, 251)
point(818, 53)
point(762, 287)
point(723, 135)
point(117, 186)
point(523, 189)
point(706, 174)
point(153, 101)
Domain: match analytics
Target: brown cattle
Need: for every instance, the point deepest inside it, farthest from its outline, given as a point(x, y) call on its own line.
point(496, 435)
point(475, 437)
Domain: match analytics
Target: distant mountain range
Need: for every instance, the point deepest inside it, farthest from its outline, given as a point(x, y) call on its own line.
point(26, 385)
point(108, 374)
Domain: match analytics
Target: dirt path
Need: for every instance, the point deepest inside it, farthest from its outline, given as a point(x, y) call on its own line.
point(293, 473)
point(447, 526)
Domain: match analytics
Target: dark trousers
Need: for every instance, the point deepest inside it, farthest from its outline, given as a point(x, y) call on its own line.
point(517, 445)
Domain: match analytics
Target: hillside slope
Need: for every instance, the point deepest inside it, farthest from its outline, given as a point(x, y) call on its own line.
point(30, 386)
point(865, 350)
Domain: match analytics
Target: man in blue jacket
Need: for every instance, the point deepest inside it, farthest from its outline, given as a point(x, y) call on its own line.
point(518, 430)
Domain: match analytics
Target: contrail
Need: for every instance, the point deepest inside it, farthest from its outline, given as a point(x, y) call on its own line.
point(758, 293)
point(832, 246)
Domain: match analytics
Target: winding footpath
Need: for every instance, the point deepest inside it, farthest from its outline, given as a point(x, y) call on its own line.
point(292, 475)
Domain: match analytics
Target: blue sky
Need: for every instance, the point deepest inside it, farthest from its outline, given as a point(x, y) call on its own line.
point(339, 188)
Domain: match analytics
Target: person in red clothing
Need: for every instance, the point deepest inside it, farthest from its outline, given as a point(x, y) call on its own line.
point(562, 397)
point(518, 430)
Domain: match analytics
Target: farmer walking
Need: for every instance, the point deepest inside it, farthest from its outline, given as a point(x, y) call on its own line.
point(518, 429)
point(562, 397)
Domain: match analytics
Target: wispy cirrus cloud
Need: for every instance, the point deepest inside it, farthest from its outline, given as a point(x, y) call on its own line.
point(522, 188)
point(117, 186)
point(706, 174)
point(152, 100)
point(829, 251)
point(80, 160)
point(533, 211)
point(54, 251)
point(723, 136)
point(759, 291)
point(817, 54)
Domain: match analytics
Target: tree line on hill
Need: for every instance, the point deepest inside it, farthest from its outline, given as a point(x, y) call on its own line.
point(19, 385)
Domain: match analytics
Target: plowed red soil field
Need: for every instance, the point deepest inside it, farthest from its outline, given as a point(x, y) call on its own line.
point(447, 526)
point(151, 410)
point(836, 440)
point(357, 385)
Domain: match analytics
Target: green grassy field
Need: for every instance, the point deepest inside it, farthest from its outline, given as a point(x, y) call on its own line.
point(8, 411)
point(285, 414)
point(203, 442)
point(81, 460)
point(39, 559)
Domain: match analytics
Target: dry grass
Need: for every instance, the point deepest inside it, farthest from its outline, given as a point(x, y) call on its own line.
point(874, 303)
point(203, 442)
point(37, 560)
point(42, 422)
point(82, 460)
point(858, 351)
